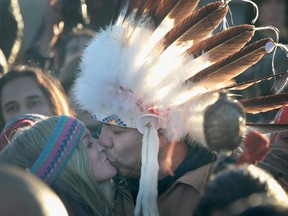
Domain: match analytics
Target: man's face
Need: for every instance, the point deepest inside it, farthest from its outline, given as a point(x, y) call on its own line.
point(23, 95)
point(123, 148)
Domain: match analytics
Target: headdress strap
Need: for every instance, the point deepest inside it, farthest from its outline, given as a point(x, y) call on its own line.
point(58, 149)
point(148, 193)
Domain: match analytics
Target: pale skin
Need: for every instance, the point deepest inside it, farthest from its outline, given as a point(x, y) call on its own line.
point(22, 95)
point(102, 168)
point(123, 149)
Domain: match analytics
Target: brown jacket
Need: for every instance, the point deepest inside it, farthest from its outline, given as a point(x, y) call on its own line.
point(180, 199)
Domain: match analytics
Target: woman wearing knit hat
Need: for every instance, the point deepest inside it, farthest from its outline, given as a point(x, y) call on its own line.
point(61, 151)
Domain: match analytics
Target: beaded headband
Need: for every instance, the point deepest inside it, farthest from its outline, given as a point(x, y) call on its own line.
point(58, 149)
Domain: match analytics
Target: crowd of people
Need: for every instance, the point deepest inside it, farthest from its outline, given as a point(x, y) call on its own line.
point(102, 115)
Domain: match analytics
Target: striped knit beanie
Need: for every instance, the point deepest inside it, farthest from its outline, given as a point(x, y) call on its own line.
point(58, 149)
point(15, 123)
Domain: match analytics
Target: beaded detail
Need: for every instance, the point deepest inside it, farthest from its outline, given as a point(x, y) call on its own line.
point(114, 120)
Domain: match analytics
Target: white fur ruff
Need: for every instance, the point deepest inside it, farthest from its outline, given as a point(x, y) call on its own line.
point(122, 73)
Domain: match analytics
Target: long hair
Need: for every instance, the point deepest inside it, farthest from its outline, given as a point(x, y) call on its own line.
point(75, 183)
point(50, 87)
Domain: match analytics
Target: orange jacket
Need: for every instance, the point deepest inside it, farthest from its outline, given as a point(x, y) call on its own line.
point(180, 199)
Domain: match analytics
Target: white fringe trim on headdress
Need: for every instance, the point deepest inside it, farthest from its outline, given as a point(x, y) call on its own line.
point(147, 196)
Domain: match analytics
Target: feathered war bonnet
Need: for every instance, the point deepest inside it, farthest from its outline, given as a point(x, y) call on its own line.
point(157, 65)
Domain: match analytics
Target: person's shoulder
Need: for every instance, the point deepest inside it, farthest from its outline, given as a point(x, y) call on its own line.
point(197, 178)
point(199, 150)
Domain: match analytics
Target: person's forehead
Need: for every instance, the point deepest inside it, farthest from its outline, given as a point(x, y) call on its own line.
point(22, 84)
point(20, 88)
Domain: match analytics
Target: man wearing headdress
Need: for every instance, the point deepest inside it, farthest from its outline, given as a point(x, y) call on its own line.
point(149, 78)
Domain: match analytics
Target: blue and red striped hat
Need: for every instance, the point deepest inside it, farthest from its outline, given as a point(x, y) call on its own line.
point(58, 149)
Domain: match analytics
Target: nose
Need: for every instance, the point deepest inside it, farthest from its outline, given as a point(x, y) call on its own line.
point(99, 147)
point(105, 139)
point(24, 110)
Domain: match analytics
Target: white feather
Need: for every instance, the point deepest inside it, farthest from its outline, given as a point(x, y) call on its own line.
point(118, 71)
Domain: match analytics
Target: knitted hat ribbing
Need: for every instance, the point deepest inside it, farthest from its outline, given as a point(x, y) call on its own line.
point(58, 149)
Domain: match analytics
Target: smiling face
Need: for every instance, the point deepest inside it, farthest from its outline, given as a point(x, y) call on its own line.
point(123, 148)
point(22, 95)
point(102, 168)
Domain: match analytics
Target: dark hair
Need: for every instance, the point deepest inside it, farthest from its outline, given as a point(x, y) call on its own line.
point(50, 87)
point(234, 184)
point(264, 206)
point(266, 210)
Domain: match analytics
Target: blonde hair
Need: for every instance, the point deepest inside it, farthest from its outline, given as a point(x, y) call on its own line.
point(77, 175)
